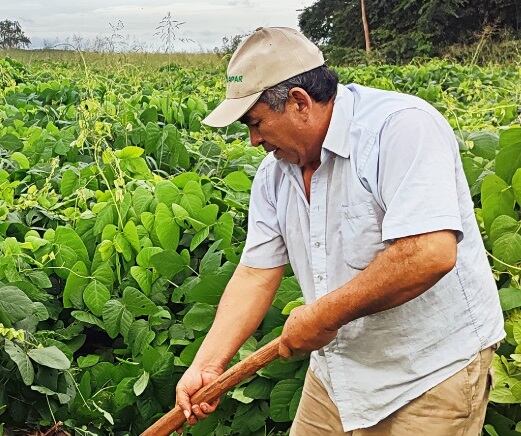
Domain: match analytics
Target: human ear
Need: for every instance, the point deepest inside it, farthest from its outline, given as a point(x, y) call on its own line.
point(300, 100)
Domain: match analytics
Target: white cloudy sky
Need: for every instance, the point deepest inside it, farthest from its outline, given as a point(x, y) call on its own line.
point(207, 21)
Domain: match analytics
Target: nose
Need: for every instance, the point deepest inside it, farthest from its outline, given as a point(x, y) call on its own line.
point(255, 137)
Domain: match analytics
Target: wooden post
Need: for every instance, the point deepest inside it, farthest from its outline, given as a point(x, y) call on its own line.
point(366, 27)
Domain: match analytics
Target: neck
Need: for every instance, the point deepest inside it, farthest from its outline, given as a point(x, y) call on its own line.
point(323, 117)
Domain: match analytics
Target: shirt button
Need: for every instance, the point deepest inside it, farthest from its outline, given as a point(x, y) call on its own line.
point(317, 244)
point(319, 278)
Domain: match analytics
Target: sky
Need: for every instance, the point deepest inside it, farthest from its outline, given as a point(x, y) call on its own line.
point(206, 22)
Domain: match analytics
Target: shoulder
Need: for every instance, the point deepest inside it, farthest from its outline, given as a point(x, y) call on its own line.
point(373, 107)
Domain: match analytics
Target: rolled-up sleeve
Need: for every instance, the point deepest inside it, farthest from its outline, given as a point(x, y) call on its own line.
point(265, 247)
point(417, 176)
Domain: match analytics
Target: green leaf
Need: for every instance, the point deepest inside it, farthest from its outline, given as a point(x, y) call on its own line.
point(95, 296)
point(223, 229)
point(280, 369)
point(20, 358)
point(141, 384)
point(293, 405)
point(166, 228)
point(138, 303)
point(516, 185)
point(503, 224)
point(130, 232)
point(69, 183)
point(141, 199)
point(129, 152)
point(291, 305)
point(52, 357)
point(485, 144)
point(144, 256)
point(281, 397)
point(497, 199)
point(510, 298)
point(179, 212)
point(88, 361)
point(289, 290)
point(21, 160)
point(509, 136)
point(143, 277)
point(124, 394)
point(104, 217)
point(104, 275)
point(238, 181)
point(166, 192)
point(74, 286)
point(199, 317)
point(508, 160)
point(507, 248)
point(502, 395)
point(149, 115)
point(87, 317)
point(14, 305)
point(199, 238)
point(188, 354)
point(140, 336)
point(259, 389)
point(168, 263)
point(70, 249)
point(116, 318)
point(209, 288)
point(123, 246)
point(147, 218)
point(208, 214)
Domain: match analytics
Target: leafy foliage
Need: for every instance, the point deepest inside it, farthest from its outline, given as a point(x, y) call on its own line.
point(403, 29)
point(123, 219)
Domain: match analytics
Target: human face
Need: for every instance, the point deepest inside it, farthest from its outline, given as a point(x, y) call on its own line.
point(283, 133)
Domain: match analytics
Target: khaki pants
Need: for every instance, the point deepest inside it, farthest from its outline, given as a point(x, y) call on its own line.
point(455, 407)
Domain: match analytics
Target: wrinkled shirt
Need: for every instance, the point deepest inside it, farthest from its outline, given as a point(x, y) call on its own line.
point(390, 168)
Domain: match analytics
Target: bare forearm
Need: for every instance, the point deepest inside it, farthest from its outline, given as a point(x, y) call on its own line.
point(243, 305)
point(400, 273)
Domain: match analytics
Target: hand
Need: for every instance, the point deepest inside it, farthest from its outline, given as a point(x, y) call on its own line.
point(304, 331)
point(192, 380)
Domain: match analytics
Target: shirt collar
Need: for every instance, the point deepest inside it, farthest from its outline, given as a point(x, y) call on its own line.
point(336, 139)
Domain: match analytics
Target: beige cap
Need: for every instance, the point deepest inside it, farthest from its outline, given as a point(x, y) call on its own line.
point(267, 57)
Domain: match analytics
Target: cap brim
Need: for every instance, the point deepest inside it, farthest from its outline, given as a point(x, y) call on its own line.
point(230, 110)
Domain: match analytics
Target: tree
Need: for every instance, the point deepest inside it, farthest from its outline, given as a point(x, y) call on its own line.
point(401, 29)
point(12, 35)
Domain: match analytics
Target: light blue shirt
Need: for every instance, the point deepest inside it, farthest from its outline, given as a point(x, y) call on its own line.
point(390, 168)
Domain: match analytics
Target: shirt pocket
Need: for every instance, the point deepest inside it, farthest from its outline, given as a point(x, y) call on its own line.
point(361, 229)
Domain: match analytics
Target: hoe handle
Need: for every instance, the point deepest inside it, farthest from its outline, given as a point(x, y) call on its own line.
point(227, 380)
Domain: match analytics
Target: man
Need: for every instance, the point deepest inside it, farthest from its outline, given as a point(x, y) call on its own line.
point(363, 193)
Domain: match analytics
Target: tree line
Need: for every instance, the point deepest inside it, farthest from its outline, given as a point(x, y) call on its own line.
point(402, 29)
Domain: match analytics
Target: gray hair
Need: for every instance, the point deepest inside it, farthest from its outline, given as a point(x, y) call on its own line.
point(320, 83)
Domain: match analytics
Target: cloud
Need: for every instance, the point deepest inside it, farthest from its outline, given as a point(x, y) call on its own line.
point(207, 21)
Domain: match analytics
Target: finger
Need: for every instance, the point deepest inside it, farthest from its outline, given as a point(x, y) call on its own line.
point(192, 420)
point(198, 412)
point(179, 430)
point(183, 400)
point(208, 408)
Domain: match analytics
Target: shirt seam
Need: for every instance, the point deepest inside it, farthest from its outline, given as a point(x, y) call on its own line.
point(471, 313)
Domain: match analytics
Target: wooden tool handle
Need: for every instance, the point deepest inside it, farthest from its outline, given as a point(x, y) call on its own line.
point(227, 380)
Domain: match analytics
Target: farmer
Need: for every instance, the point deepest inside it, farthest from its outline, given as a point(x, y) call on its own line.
point(363, 193)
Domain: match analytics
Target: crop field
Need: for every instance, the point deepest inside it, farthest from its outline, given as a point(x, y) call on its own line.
point(122, 218)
